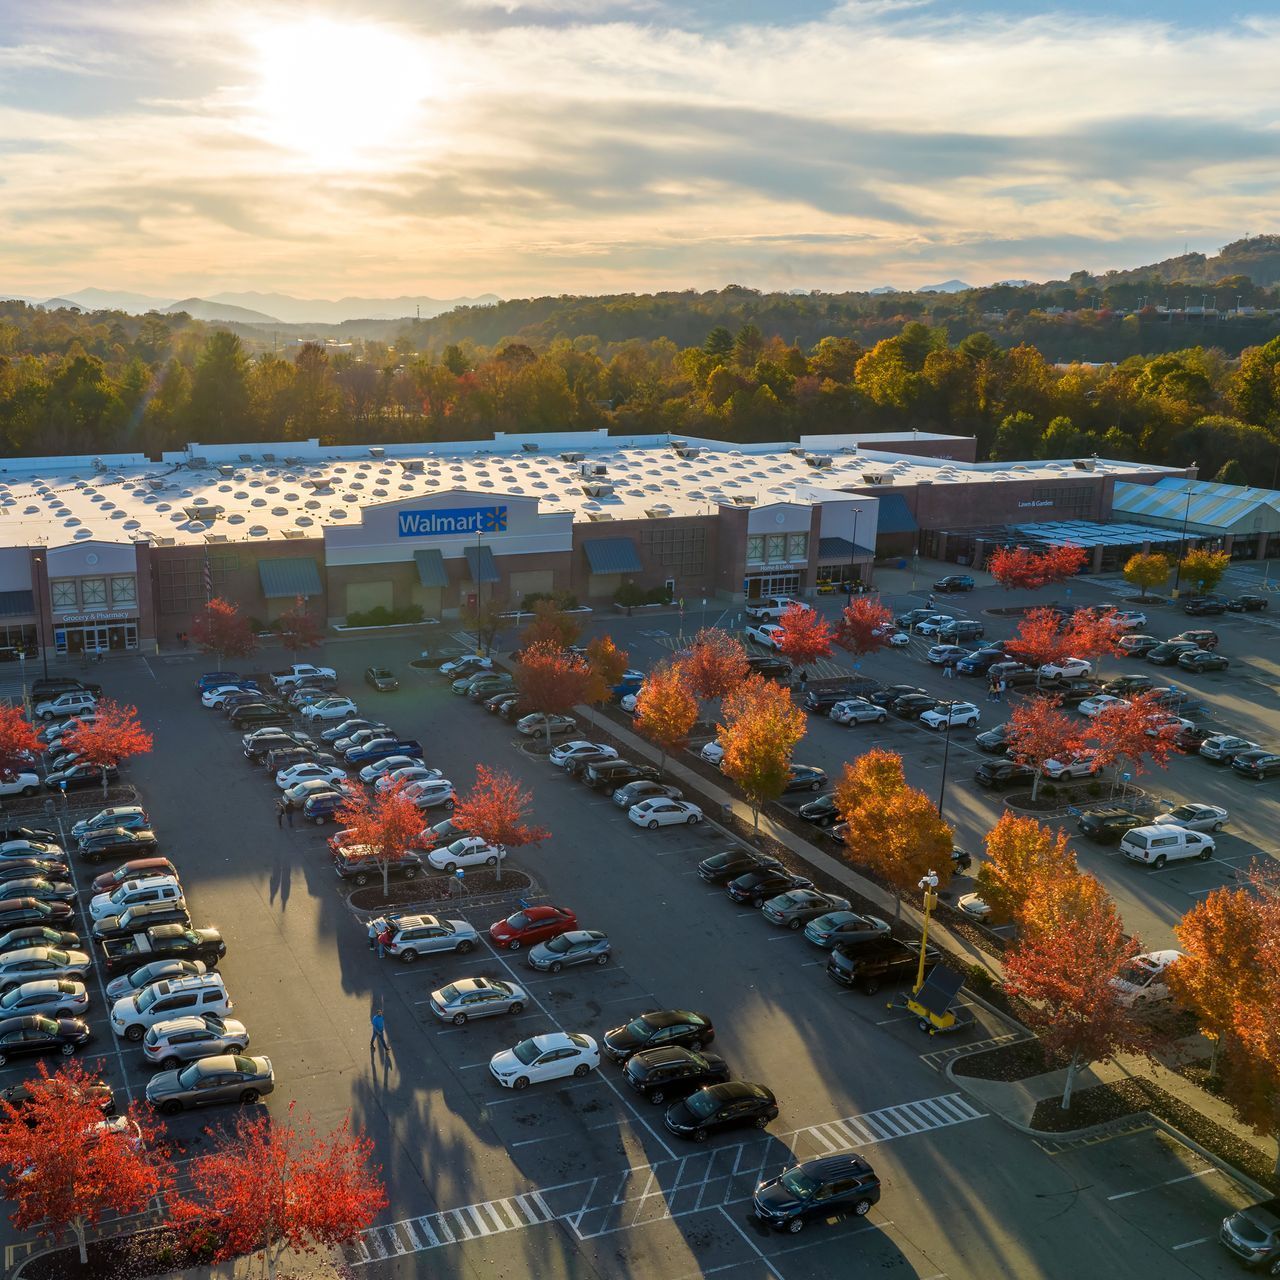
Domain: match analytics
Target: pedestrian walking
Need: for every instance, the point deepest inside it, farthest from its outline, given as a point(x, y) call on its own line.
point(288, 811)
point(379, 1025)
point(804, 679)
point(280, 813)
point(949, 669)
point(384, 941)
point(1000, 688)
point(373, 934)
point(991, 690)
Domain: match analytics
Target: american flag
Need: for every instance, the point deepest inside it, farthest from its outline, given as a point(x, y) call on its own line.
point(208, 579)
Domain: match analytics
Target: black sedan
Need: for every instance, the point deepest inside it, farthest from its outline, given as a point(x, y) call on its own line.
point(769, 667)
point(994, 741)
point(757, 887)
point(16, 912)
point(822, 812)
point(655, 1028)
point(1123, 686)
point(608, 775)
point(117, 842)
point(348, 727)
point(720, 868)
point(999, 774)
point(41, 889)
point(78, 776)
point(806, 777)
point(911, 706)
point(887, 696)
point(1202, 606)
point(38, 935)
point(29, 869)
point(19, 1096)
point(1257, 764)
point(1248, 603)
point(721, 1106)
point(36, 1034)
point(36, 834)
point(673, 1072)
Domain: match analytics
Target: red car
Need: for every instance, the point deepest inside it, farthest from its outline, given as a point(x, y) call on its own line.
point(533, 924)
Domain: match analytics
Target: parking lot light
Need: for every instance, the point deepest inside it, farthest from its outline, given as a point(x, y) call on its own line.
point(929, 883)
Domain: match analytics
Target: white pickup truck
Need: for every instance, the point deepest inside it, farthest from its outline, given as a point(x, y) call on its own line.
point(771, 608)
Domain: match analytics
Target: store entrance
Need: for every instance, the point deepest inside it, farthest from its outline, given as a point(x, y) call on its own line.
point(115, 637)
point(773, 584)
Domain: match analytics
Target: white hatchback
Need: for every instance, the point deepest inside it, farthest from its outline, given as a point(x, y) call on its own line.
point(567, 751)
point(1090, 707)
point(553, 1056)
point(662, 811)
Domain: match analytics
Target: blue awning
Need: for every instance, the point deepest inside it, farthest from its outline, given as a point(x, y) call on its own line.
point(431, 570)
point(290, 576)
point(15, 603)
point(612, 555)
point(895, 516)
point(481, 563)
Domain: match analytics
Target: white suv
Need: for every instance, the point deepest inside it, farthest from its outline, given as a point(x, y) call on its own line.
point(1163, 843)
point(134, 892)
point(171, 998)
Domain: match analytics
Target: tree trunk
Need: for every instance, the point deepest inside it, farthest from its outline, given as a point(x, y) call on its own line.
point(1072, 1068)
point(1214, 1060)
point(104, 782)
point(77, 1225)
point(897, 907)
point(755, 818)
point(386, 877)
point(1035, 784)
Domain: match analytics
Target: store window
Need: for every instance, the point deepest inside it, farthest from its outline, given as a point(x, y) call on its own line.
point(124, 591)
point(64, 593)
point(755, 548)
point(777, 544)
point(797, 546)
point(93, 591)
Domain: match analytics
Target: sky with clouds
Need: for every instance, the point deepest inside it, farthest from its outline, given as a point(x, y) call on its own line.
point(453, 147)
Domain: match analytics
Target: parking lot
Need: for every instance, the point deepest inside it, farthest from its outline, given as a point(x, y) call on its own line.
point(580, 1177)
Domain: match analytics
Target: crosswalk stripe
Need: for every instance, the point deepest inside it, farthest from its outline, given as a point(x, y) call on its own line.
point(504, 1220)
point(462, 1224)
point(414, 1242)
point(912, 1123)
point(424, 1225)
point(935, 1113)
point(878, 1127)
point(822, 1138)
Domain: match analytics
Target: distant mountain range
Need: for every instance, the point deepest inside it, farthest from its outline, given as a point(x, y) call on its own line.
point(947, 286)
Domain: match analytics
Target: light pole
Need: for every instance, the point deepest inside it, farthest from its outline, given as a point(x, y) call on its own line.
point(38, 564)
point(1182, 542)
point(946, 753)
point(929, 883)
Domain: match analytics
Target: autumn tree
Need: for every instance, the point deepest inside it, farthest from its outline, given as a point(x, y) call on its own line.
point(220, 629)
point(606, 664)
point(806, 635)
point(1146, 572)
point(298, 630)
point(550, 681)
point(1038, 730)
point(1021, 567)
point(485, 619)
point(760, 729)
point(1092, 634)
point(864, 626)
point(272, 1183)
point(64, 1170)
point(1064, 974)
point(384, 823)
point(666, 709)
point(714, 664)
point(1024, 859)
point(1135, 730)
point(891, 828)
point(550, 625)
point(1203, 569)
point(496, 808)
point(113, 736)
point(1038, 640)
point(19, 743)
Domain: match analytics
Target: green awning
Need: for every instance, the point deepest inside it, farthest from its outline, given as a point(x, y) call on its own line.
point(481, 563)
point(612, 555)
point(290, 576)
point(431, 570)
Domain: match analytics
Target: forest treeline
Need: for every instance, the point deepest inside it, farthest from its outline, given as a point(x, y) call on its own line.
point(76, 383)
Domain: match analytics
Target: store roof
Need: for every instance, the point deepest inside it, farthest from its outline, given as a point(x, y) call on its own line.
point(1205, 506)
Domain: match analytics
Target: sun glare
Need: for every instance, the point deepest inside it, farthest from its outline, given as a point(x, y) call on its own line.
point(339, 95)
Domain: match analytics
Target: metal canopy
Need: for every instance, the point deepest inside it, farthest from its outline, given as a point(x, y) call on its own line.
point(431, 570)
point(482, 565)
point(612, 555)
point(290, 576)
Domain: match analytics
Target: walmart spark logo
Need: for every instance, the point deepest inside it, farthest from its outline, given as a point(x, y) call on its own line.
point(458, 520)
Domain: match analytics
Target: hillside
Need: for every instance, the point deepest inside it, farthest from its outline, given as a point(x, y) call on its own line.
point(1257, 258)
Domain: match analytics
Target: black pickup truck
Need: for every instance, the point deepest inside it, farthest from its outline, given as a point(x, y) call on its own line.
point(868, 968)
point(162, 942)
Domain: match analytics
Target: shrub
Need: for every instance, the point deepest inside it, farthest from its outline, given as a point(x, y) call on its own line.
point(381, 616)
point(630, 594)
point(1094, 789)
point(561, 600)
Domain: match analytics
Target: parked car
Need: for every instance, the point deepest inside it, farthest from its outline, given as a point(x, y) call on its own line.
point(189, 1038)
point(421, 935)
point(34, 1033)
point(361, 863)
point(1166, 654)
point(664, 812)
point(1128, 619)
point(324, 807)
point(1091, 707)
point(821, 1188)
point(153, 971)
point(308, 771)
point(567, 752)
point(169, 998)
point(531, 925)
point(1256, 764)
point(1136, 646)
point(469, 998)
point(1202, 606)
point(78, 776)
point(954, 582)
point(13, 870)
point(979, 662)
point(767, 634)
point(335, 709)
point(822, 812)
point(380, 748)
point(1073, 692)
point(537, 725)
point(994, 741)
point(141, 917)
point(824, 696)
point(263, 743)
point(132, 817)
point(108, 842)
point(672, 1071)
point(1253, 1233)
point(1201, 660)
point(300, 671)
point(1222, 748)
point(1248, 603)
point(836, 927)
point(555, 1055)
point(1108, 825)
point(805, 777)
point(381, 679)
point(1144, 979)
point(1194, 817)
point(999, 775)
point(950, 714)
point(1083, 764)
point(795, 908)
point(162, 888)
point(577, 946)
point(64, 704)
point(354, 725)
point(482, 686)
point(1065, 668)
point(47, 688)
point(1013, 674)
point(757, 887)
point(42, 963)
point(721, 1106)
point(857, 711)
point(404, 776)
point(943, 654)
point(468, 664)
point(431, 793)
point(297, 795)
point(257, 714)
point(217, 696)
point(658, 1027)
point(772, 607)
point(229, 1078)
point(16, 912)
point(1124, 686)
point(163, 942)
point(770, 666)
point(37, 935)
point(30, 836)
point(728, 865)
point(910, 706)
point(962, 629)
point(1201, 639)
point(1157, 844)
point(609, 775)
point(466, 851)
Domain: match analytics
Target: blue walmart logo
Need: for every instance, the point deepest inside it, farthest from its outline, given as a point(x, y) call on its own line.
point(458, 520)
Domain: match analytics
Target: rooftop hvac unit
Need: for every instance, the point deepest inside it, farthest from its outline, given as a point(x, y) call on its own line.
point(155, 483)
point(572, 457)
point(268, 457)
point(294, 533)
point(412, 464)
point(196, 463)
point(292, 460)
point(226, 470)
point(877, 477)
point(592, 469)
point(598, 516)
point(597, 489)
point(688, 451)
point(165, 541)
point(743, 500)
point(377, 451)
point(657, 513)
point(215, 537)
point(797, 452)
point(245, 457)
point(320, 483)
point(529, 446)
point(1084, 464)
point(99, 465)
point(818, 460)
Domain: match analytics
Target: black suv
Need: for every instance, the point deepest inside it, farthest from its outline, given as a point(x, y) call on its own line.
point(817, 1189)
point(771, 667)
point(1201, 639)
point(954, 582)
point(52, 686)
point(960, 630)
point(1166, 654)
point(254, 715)
point(1248, 603)
point(1108, 826)
point(1199, 606)
point(826, 695)
point(673, 1072)
point(611, 774)
point(999, 774)
point(1122, 686)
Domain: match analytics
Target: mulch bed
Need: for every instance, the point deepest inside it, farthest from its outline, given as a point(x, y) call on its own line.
point(148, 1253)
point(440, 889)
point(1017, 1061)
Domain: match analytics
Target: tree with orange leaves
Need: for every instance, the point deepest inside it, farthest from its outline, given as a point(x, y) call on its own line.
point(298, 630)
point(19, 743)
point(864, 626)
point(714, 664)
point(1020, 567)
point(220, 629)
point(1024, 859)
point(496, 808)
point(666, 709)
point(1038, 731)
point(806, 635)
point(1092, 635)
point(1123, 731)
point(1065, 973)
point(112, 737)
point(760, 729)
point(1039, 639)
point(550, 625)
point(550, 681)
point(606, 663)
point(891, 828)
point(384, 824)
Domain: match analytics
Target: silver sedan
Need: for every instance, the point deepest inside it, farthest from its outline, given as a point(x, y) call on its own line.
point(56, 998)
point(1194, 817)
point(469, 998)
point(578, 946)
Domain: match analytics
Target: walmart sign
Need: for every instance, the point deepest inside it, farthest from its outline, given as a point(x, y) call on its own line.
point(434, 524)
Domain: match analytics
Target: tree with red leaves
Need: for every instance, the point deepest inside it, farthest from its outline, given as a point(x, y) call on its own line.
point(760, 731)
point(607, 663)
point(1123, 731)
point(550, 625)
point(1021, 567)
point(1039, 639)
point(298, 630)
point(806, 635)
point(496, 808)
point(274, 1184)
point(1038, 731)
point(550, 681)
point(864, 626)
point(19, 744)
point(1092, 635)
point(112, 737)
point(714, 665)
point(385, 823)
point(1064, 974)
point(666, 709)
point(65, 1169)
point(218, 628)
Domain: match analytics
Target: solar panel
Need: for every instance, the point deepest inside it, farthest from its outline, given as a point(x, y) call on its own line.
point(940, 990)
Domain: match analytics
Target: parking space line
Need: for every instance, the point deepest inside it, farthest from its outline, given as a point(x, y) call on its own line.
point(1186, 1177)
point(751, 1243)
point(1189, 1244)
point(499, 1102)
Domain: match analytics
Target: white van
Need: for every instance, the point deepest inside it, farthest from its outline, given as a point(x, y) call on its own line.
point(170, 998)
point(1143, 979)
point(1154, 846)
